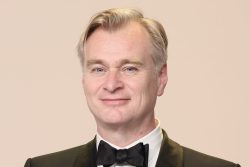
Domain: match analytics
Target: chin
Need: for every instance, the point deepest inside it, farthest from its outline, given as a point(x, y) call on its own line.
point(115, 119)
point(112, 115)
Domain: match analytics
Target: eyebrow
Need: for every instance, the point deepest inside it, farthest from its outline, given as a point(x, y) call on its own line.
point(122, 62)
point(127, 61)
point(94, 61)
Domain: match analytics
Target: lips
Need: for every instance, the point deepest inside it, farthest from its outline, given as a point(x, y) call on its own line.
point(115, 101)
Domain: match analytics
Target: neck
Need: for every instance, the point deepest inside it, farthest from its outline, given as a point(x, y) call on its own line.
point(127, 133)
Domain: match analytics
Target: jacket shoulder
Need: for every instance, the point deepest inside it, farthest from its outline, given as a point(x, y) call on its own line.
point(65, 158)
point(192, 158)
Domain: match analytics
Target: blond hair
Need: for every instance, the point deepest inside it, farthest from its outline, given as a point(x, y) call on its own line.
point(112, 19)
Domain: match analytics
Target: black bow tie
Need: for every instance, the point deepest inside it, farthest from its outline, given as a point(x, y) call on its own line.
point(136, 155)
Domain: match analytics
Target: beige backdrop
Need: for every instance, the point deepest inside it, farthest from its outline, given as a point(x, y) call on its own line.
point(206, 105)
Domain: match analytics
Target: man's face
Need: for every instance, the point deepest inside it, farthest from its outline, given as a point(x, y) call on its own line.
point(120, 80)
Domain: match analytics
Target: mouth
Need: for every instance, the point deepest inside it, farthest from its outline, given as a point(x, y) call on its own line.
point(115, 102)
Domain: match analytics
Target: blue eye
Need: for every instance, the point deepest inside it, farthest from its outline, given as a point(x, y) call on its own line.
point(130, 69)
point(97, 70)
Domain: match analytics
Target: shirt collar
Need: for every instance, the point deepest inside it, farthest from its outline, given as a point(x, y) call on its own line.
point(153, 138)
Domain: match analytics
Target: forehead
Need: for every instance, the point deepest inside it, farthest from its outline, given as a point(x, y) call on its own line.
point(131, 39)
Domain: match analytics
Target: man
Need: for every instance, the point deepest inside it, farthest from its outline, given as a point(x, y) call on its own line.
point(124, 56)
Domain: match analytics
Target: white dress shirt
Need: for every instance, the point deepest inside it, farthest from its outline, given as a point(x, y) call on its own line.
point(154, 139)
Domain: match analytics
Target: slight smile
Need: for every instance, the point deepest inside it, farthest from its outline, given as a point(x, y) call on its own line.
point(115, 102)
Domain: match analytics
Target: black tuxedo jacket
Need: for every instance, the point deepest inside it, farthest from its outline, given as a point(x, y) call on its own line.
point(171, 155)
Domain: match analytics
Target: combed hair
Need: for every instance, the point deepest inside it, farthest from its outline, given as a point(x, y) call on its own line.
point(113, 19)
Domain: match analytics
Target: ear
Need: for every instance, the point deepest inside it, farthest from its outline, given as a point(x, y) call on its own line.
point(83, 80)
point(162, 80)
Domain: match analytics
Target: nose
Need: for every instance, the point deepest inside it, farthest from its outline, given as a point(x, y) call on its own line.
point(113, 82)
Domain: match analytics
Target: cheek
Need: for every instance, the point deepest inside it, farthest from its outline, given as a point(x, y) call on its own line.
point(142, 87)
point(89, 88)
point(149, 83)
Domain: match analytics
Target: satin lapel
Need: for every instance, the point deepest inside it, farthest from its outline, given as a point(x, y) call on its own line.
point(171, 153)
point(86, 156)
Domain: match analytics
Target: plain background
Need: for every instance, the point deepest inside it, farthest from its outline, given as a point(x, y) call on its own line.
point(206, 103)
